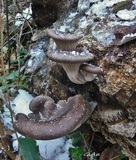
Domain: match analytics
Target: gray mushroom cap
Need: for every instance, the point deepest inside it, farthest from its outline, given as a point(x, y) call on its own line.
point(64, 41)
point(68, 116)
point(74, 63)
point(62, 35)
point(70, 56)
point(91, 68)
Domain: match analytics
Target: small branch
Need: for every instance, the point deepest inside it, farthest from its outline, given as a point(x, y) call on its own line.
point(7, 27)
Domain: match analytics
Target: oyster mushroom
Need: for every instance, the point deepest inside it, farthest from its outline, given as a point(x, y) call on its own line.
point(60, 119)
point(91, 68)
point(73, 63)
point(65, 42)
point(71, 56)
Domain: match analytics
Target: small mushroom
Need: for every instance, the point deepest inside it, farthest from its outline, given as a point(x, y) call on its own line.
point(73, 63)
point(91, 68)
point(59, 120)
point(64, 42)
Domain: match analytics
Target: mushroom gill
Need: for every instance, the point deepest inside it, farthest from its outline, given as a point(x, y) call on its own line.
point(49, 120)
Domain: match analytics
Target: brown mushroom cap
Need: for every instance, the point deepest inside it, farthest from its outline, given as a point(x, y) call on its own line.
point(37, 103)
point(70, 56)
point(76, 112)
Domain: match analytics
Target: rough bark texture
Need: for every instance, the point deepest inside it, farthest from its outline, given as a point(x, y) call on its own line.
point(46, 12)
point(115, 116)
point(115, 92)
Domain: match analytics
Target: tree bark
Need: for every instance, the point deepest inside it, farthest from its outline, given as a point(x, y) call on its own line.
point(115, 91)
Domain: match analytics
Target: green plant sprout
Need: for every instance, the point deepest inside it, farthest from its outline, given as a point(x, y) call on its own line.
point(13, 80)
point(81, 147)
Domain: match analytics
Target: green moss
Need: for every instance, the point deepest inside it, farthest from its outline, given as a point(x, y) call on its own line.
point(122, 5)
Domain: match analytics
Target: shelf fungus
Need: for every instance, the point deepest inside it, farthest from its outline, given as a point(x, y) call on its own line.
point(49, 120)
point(73, 58)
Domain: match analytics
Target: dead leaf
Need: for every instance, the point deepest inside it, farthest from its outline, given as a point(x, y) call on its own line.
point(110, 154)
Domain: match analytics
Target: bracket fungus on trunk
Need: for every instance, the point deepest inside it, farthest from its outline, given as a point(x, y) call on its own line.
point(49, 120)
point(71, 57)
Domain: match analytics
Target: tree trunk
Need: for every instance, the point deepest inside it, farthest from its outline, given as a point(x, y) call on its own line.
point(115, 115)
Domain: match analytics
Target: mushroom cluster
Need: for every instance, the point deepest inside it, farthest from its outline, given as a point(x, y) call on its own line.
point(49, 120)
point(72, 57)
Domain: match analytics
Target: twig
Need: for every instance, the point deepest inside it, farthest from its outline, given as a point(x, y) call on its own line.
point(92, 139)
point(7, 27)
point(115, 157)
point(87, 146)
